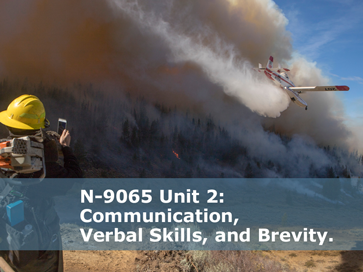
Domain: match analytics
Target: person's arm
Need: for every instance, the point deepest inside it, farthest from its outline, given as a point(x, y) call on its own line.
point(71, 167)
point(71, 163)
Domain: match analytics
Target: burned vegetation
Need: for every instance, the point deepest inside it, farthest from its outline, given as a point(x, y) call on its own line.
point(115, 135)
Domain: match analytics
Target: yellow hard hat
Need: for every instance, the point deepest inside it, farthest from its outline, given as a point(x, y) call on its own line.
point(25, 112)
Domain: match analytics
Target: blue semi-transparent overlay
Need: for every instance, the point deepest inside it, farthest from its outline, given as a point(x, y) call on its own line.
point(265, 214)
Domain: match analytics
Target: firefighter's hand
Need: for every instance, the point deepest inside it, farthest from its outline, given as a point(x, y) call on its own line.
point(65, 138)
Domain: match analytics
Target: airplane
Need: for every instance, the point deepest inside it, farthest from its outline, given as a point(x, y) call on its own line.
point(281, 79)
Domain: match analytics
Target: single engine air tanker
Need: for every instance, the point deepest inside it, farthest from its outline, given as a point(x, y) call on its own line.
point(280, 78)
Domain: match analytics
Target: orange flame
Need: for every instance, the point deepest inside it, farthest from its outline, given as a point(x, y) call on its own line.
point(176, 154)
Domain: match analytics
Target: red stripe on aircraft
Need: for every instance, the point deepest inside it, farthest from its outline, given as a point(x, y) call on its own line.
point(268, 75)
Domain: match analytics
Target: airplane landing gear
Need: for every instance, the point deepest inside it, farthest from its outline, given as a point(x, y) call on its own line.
point(306, 108)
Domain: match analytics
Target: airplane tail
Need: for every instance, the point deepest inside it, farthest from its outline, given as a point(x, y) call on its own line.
point(268, 66)
point(270, 62)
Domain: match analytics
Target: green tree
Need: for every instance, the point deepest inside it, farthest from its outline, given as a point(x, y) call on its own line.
point(346, 173)
point(135, 137)
point(126, 131)
point(142, 173)
point(248, 171)
point(331, 173)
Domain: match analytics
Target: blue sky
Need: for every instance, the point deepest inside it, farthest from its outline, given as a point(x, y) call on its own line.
point(330, 33)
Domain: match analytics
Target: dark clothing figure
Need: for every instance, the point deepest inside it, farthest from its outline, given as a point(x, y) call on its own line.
point(54, 170)
point(40, 198)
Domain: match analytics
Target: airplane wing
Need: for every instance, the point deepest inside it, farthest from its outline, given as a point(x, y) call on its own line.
point(320, 88)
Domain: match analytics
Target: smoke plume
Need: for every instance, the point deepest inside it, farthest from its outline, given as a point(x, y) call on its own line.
point(196, 55)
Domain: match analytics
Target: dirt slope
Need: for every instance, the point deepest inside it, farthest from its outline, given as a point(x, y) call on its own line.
point(97, 260)
point(112, 261)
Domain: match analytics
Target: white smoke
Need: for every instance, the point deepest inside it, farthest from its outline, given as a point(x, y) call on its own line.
point(218, 59)
point(185, 54)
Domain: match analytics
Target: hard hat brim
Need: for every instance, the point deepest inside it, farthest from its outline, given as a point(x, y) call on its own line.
point(4, 119)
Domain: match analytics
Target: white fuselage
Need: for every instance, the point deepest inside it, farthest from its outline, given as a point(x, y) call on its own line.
point(282, 80)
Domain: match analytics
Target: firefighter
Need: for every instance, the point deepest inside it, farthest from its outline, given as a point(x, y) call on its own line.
point(25, 116)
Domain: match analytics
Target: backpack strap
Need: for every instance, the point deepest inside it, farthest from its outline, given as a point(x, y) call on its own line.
point(6, 191)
